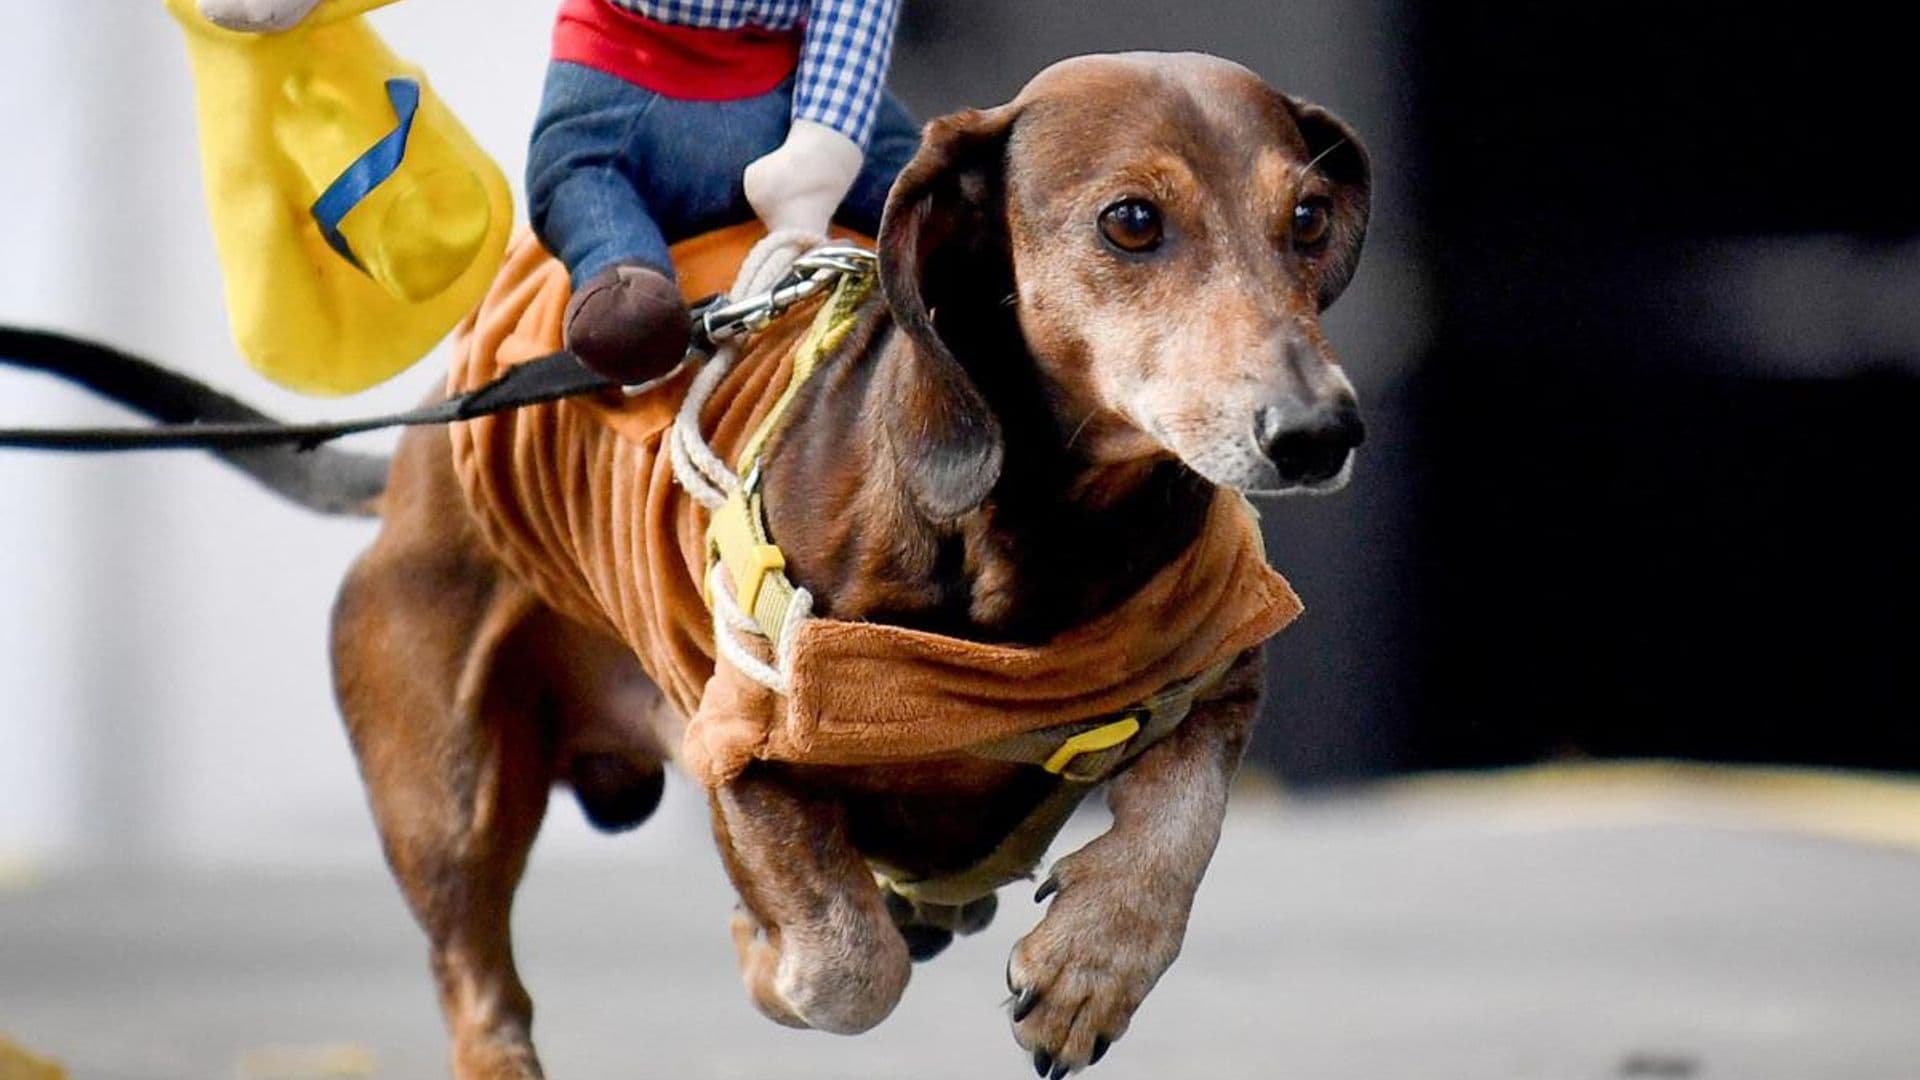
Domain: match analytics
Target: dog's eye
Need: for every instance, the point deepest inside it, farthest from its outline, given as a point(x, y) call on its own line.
point(1132, 225)
point(1312, 221)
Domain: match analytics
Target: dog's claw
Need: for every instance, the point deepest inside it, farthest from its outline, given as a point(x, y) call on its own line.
point(1028, 999)
point(1042, 1064)
point(1101, 1044)
point(1059, 1070)
point(1047, 888)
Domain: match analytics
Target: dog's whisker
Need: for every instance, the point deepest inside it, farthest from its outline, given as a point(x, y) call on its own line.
point(1319, 157)
point(1071, 439)
point(1012, 300)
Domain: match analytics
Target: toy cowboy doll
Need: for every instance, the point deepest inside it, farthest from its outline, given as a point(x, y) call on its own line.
point(664, 119)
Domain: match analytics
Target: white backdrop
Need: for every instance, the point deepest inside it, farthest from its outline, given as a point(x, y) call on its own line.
point(163, 683)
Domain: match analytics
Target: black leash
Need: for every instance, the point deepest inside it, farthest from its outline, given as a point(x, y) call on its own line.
point(196, 417)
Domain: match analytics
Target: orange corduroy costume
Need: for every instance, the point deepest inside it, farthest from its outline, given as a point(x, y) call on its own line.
point(578, 498)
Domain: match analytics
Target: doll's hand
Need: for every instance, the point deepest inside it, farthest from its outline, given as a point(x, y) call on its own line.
point(256, 16)
point(800, 185)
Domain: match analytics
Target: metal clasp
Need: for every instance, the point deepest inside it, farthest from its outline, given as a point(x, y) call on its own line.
point(813, 272)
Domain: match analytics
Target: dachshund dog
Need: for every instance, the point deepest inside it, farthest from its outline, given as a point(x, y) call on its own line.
point(1099, 305)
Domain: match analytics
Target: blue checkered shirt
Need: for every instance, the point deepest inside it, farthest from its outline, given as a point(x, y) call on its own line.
point(843, 58)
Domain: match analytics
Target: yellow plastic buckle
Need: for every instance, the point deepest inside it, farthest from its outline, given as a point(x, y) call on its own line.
point(748, 561)
point(1104, 737)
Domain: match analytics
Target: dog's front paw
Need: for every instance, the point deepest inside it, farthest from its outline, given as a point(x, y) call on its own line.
point(831, 978)
point(760, 970)
point(1079, 975)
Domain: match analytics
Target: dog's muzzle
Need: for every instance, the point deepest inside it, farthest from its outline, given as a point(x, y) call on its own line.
point(1309, 445)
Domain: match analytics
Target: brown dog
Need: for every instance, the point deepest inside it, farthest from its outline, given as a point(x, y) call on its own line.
point(1100, 301)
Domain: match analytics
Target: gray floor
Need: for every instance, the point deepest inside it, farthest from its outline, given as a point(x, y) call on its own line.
point(1368, 937)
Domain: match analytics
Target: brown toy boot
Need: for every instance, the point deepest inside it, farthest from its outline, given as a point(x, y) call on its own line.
point(628, 323)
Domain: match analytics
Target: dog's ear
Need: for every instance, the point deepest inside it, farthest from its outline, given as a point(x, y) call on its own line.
point(1338, 154)
point(944, 261)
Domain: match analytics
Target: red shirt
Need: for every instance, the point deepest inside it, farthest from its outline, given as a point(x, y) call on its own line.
point(685, 62)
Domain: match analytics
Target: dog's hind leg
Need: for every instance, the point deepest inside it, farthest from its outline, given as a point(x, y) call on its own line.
point(456, 761)
point(614, 724)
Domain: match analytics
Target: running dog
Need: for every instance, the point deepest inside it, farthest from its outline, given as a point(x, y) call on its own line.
point(1096, 326)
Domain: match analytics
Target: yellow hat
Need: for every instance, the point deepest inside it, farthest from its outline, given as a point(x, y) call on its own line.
point(357, 221)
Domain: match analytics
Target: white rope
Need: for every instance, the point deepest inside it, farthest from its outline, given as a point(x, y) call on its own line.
point(699, 469)
point(771, 258)
point(799, 610)
point(695, 464)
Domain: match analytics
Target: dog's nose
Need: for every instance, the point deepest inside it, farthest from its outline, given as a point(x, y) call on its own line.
point(1310, 446)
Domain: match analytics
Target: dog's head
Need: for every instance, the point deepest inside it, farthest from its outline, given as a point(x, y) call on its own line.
point(1160, 232)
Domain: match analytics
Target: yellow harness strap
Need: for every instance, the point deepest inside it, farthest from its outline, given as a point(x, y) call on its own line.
point(1093, 750)
point(1083, 756)
point(737, 536)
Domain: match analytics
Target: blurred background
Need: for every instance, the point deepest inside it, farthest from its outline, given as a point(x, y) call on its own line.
point(1637, 334)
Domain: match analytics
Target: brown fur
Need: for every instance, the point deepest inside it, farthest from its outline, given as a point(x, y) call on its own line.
point(1026, 429)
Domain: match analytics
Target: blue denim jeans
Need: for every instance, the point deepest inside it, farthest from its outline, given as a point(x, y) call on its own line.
point(616, 172)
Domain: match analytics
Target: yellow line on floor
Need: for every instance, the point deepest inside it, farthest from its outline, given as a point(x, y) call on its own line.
point(18, 872)
point(17, 1063)
point(1864, 808)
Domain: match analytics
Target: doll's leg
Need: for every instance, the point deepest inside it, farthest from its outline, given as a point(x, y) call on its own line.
point(692, 183)
point(894, 140)
point(692, 153)
point(626, 319)
point(582, 193)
